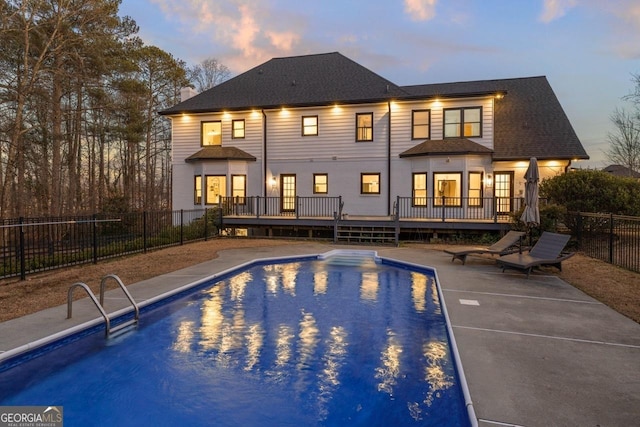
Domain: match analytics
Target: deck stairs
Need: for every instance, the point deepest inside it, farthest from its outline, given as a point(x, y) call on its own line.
point(366, 234)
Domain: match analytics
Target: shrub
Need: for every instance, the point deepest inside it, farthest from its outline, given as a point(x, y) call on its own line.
point(551, 216)
point(593, 191)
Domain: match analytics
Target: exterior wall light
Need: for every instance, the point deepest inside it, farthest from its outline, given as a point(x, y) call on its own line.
point(488, 180)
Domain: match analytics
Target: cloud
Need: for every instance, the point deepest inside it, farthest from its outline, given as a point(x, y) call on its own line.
point(246, 30)
point(283, 41)
point(554, 9)
point(420, 10)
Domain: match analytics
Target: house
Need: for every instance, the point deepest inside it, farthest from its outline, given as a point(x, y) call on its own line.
point(623, 171)
point(293, 134)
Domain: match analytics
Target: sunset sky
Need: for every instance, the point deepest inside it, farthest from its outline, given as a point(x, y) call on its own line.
point(588, 49)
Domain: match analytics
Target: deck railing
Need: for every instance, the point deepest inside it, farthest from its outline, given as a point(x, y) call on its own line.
point(293, 207)
point(496, 209)
point(443, 209)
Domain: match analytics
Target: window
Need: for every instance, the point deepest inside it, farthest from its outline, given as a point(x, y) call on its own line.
point(447, 188)
point(463, 122)
point(420, 124)
point(216, 188)
point(237, 129)
point(320, 183)
point(419, 190)
point(475, 189)
point(364, 127)
point(211, 133)
point(309, 125)
point(239, 189)
point(197, 194)
point(370, 183)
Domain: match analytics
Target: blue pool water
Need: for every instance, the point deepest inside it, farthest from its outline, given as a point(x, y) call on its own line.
point(287, 344)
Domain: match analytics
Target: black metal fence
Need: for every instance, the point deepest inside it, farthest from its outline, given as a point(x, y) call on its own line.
point(611, 238)
point(29, 245)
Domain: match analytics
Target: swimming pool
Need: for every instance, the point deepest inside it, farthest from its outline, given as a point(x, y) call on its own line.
point(329, 340)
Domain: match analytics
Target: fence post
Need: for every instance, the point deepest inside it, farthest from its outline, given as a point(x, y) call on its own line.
point(611, 238)
point(95, 238)
point(144, 232)
point(443, 212)
point(206, 220)
point(397, 221)
point(23, 270)
point(181, 227)
point(297, 207)
point(257, 206)
point(579, 229)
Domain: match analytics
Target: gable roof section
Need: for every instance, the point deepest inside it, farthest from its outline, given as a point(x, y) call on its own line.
point(296, 81)
point(218, 152)
point(528, 121)
point(449, 146)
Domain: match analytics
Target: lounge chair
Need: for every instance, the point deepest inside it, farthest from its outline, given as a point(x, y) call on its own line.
point(547, 251)
point(503, 246)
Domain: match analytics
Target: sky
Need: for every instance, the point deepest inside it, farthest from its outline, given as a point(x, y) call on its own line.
point(589, 50)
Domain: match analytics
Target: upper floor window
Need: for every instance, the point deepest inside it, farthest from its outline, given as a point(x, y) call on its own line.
point(364, 126)
point(309, 125)
point(211, 133)
point(237, 129)
point(420, 124)
point(370, 183)
point(463, 122)
point(320, 183)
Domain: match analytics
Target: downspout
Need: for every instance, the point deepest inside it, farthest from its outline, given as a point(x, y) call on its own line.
point(264, 154)
point(389, 162)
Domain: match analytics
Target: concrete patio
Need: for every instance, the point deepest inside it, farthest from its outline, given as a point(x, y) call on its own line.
point(535, 352)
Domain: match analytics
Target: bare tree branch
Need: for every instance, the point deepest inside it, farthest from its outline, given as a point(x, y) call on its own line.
point(625, 140)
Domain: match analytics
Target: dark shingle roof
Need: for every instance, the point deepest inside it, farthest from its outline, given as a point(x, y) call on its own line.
point(619, 170)
point(452, 146)
point(529, 120)
point(294, 81)
point(218, 152)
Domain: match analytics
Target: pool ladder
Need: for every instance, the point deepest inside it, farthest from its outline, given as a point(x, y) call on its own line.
point(100, 304)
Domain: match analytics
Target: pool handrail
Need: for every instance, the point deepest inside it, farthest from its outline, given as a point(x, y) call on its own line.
point(124, 289)
point(93, 298)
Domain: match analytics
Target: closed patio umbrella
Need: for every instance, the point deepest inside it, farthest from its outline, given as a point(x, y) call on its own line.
point(531, 214)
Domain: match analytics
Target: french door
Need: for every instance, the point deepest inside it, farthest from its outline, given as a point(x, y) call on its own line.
point(287, 193)
point(503, 191)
